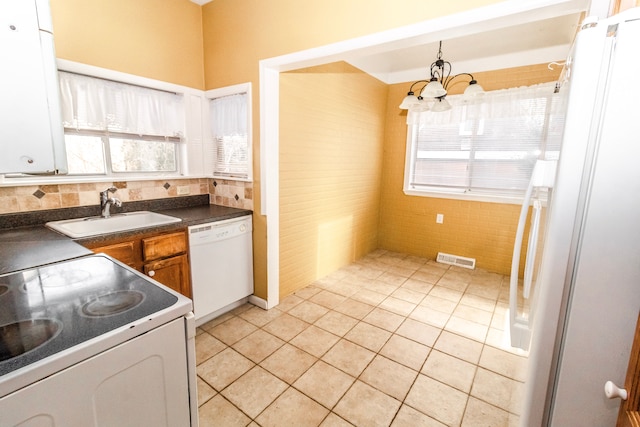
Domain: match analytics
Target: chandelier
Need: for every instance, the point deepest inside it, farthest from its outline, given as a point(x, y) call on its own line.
point(436, 88)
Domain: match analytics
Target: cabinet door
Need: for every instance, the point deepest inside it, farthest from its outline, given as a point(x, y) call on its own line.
point(30, 103)
point(123, 252)
point(172, 272)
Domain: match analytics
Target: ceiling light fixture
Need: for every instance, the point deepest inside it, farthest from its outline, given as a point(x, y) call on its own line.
point(436, 88)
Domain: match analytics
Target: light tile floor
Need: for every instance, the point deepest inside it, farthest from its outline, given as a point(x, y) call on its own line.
point(391, 340)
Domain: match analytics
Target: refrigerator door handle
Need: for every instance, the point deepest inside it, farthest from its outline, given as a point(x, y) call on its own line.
point(532, 247)
point(519, 326)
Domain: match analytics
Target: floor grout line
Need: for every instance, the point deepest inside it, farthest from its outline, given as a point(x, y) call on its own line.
point(322, 285)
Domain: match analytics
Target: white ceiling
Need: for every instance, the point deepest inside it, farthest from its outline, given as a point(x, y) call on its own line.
point(540, 41)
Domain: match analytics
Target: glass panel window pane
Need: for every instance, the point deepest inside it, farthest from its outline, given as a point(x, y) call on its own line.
point(131, 155)
point(85, 154)
point(433, 173)
point(232, 156)
point(501, 174)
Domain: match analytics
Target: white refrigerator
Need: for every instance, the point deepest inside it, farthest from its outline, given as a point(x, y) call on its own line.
point(586, 298)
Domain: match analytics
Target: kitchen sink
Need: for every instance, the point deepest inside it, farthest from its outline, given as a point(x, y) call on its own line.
point(95, 225)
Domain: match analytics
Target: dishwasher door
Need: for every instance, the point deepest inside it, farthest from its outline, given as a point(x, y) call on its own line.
point(221, 265)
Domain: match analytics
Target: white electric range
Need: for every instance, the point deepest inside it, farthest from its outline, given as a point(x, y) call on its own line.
point(91, 342)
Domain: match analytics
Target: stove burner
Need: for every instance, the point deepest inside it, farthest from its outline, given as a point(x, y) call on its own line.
point(56, 280)
point(3, 289)
point(112, 303)
point(20, 337)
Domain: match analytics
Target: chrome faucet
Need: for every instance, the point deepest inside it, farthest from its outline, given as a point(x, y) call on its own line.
point(106, 202)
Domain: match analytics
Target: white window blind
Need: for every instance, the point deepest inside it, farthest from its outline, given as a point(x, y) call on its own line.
point(485, 148)
point(230, 130)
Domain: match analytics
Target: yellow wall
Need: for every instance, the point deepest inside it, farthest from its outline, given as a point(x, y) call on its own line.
point(221, 43)
point(331, 140)
point(485, 231)
point(341, 177)
point(240, 33)
point(158, 40)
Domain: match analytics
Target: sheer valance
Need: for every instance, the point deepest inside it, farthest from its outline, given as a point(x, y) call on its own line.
point(498, 104)
point(97, 104)
point(229, 115)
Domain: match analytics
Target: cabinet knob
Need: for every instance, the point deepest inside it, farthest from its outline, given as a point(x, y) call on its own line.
point(151, 273)
point(612, 391)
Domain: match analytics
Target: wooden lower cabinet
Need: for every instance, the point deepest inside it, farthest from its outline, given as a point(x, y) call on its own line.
point(172, 272)
point(164, 257)
point(123, 252)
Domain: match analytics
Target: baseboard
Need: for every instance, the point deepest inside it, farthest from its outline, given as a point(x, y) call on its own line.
point(259, 302)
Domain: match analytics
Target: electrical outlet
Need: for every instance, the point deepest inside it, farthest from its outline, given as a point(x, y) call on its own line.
point(439, 218)
point(183, 190)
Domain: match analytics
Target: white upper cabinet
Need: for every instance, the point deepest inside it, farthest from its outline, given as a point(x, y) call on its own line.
point(31, 135)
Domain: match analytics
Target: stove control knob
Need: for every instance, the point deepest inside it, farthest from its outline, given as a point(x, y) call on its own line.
point(151, 273)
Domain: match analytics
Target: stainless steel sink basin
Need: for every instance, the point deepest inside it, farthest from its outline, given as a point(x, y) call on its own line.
point(92, 226)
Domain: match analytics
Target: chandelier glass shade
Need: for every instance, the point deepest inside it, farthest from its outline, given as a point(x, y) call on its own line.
point(436, 88)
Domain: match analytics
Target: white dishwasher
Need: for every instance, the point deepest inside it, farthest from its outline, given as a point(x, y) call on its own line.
point(221, 255)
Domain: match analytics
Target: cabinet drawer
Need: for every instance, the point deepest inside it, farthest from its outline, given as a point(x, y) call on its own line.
point(163, 246)
point(123, 252)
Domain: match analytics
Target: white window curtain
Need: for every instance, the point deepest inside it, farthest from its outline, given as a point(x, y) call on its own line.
point(229, 127)
point(98, 104)
point(485, 147)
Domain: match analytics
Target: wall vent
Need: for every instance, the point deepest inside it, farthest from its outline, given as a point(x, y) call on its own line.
point(456, 260)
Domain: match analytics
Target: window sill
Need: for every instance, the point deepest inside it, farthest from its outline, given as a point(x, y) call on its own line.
point(463, 195)
point(230, 178)
point(81, 179)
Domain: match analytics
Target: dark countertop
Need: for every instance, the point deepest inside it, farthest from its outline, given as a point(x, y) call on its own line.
point(27, 247)
point(26, 243)
point(206, 213)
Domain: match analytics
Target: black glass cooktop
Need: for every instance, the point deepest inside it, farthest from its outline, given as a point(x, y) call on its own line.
point(49, 309)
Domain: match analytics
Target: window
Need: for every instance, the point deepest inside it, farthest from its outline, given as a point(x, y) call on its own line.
point(231, 131)
point(485, 149)
point(116, 128)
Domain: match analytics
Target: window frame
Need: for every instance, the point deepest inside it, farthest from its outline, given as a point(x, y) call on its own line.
point(105, 137)
point(480, 195)
point(219, 93)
